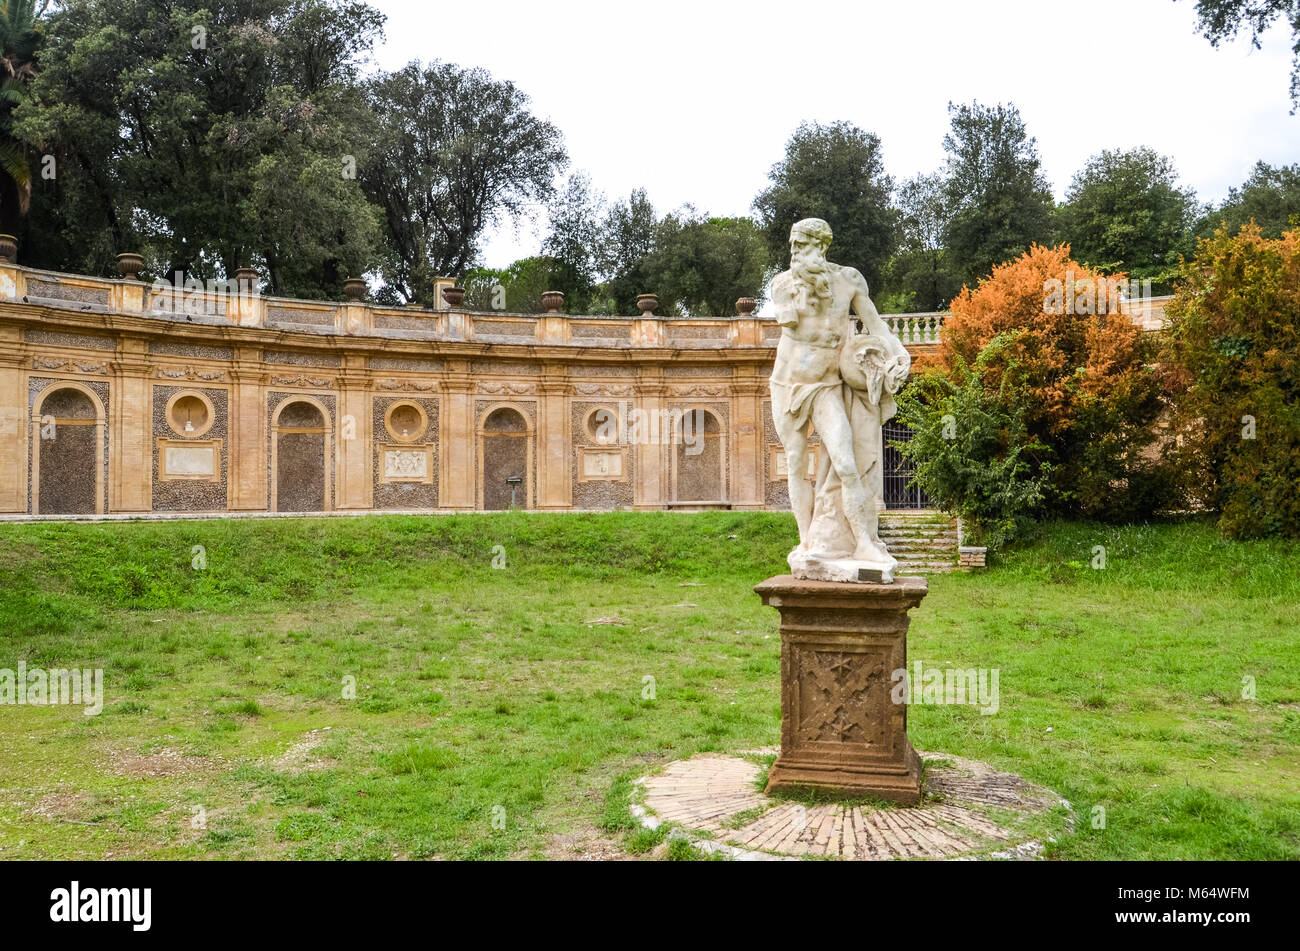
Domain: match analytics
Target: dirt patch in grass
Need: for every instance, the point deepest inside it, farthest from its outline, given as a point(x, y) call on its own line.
point(586, 845)
point(64, 806)
point(163, 761)
point(302, 757)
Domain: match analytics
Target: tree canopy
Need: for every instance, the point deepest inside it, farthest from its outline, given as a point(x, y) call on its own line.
point(998, 199)
point(835, 172)
point(457, 151)
point(920, 276)
point(1222, 20)
point(1270, 197)
point(187, 133)
point(702, 265)
point(1125, 211)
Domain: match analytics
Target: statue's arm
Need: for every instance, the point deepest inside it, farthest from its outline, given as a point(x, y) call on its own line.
point(865, 310)
point(785, 302)
point(873, 323)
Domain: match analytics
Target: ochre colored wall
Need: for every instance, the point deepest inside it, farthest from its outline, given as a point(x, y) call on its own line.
point(137, 347)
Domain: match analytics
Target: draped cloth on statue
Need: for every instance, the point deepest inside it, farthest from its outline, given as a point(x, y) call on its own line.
point(798, 399)
point(867, 370)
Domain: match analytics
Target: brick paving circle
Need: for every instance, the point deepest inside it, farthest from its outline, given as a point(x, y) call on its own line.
point(970, 810)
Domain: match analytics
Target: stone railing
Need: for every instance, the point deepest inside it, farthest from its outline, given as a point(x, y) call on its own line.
point(228, 303)
point(916, 328)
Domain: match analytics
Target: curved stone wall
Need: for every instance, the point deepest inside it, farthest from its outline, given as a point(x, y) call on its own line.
point(232, 362)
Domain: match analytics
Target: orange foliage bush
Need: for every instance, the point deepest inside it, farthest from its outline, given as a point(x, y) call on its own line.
point(1081, 369)
point(1065, 356)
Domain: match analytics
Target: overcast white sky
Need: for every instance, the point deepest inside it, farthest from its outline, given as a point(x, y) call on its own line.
point(695, 99)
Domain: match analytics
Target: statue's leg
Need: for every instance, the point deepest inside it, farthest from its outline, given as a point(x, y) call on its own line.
point(794, 440)
point(832, 423)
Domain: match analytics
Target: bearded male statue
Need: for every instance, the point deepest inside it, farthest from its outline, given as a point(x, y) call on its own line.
point(840, 373)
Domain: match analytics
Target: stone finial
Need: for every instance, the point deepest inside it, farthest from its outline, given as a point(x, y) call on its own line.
point(354, 289)
point(553, 301)
point(130, 263)
point(247, 279)
point(454, 296)
point(745, 306)
point(647, 303)
point(8, 248)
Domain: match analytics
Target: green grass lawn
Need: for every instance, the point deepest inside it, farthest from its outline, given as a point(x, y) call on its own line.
point(499, 712)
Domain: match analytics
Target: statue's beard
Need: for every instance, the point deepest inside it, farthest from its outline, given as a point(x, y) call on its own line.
point(811, 271)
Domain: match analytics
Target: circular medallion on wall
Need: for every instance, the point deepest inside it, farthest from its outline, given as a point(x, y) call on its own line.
point(406, 421)
point(602, 426)
point(190, 414)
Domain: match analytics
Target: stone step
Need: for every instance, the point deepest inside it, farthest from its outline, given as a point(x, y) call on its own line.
point(924, 542)
point(947, 538)
point(926, 527)
point(930, 541)
point(885, 519)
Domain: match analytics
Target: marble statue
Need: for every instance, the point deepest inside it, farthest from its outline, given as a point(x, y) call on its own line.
point(838, 366)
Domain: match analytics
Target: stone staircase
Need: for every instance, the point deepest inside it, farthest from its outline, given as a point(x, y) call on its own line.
point(924, 542)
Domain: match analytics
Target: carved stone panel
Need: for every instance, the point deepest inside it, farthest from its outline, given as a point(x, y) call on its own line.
point(189, 459)
point(406, 464)
point(843, 696)
point(598, 464)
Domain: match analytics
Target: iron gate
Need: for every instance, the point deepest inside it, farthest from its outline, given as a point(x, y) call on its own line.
point(898, 472)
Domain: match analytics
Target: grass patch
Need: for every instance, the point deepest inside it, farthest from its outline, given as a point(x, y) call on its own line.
point(374, 688)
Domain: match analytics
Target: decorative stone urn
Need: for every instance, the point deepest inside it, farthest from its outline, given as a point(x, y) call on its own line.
point(553, 301)
point(8, 248)
point(647, 303)
point(454, 296)
point(247, 279)
point(745, 306)
point(354, 289)
point(130, 264)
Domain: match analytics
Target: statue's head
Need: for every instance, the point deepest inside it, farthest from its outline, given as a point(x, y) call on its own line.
point(809, 240)
point(810, 234)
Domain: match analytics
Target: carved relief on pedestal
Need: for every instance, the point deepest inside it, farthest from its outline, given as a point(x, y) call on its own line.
point(842, 696)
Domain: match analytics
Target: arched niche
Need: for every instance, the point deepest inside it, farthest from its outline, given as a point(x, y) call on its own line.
point(505, 438)
point(300, 440)
point(68, 427)
point(699, 457)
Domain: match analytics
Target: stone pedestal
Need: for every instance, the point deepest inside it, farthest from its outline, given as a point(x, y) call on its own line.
point(840, 646)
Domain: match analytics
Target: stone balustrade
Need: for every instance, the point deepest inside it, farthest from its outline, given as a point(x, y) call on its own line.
point(225, 303)
point(916, 328)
